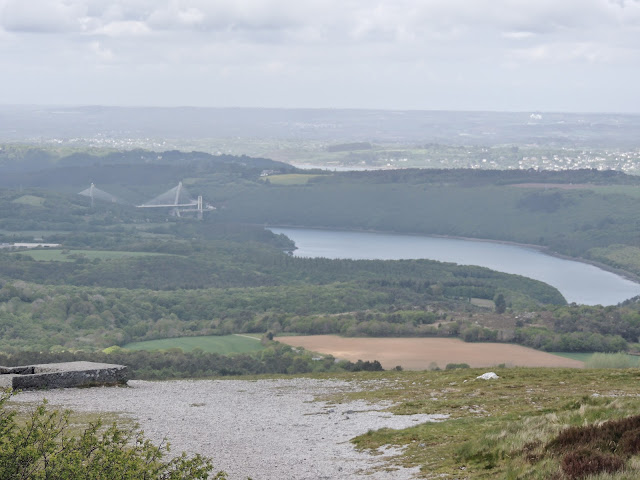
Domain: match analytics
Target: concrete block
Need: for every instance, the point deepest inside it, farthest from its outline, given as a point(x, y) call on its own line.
point(62, 375)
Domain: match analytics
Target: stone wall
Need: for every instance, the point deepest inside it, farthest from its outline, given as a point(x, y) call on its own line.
point(61, 375)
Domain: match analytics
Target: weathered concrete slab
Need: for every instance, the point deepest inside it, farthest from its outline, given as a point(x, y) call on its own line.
point(62, 375)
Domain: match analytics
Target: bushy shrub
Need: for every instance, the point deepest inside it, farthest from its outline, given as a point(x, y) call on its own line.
point(584, 462)
point(366, 366)
point(44, 448)
point(594, 449)
point(453, 366)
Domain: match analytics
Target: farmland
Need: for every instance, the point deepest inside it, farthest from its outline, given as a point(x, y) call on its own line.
point(290, 178)
point(209, 344)
point(421, 353)
point(57, 255)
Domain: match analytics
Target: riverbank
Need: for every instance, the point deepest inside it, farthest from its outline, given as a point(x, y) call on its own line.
point(579, 280)
point(541, 248)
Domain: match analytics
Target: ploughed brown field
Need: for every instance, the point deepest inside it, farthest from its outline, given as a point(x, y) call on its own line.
point(419, 353)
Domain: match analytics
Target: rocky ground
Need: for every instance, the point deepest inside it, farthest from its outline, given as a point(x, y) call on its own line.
point(264, 429)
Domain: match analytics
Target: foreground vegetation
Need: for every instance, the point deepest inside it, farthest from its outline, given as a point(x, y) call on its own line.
point(527, 424)
point(561, 424)
point(43, 444)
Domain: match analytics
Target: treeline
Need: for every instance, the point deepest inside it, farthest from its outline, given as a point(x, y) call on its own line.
point(174, 363)
point(16, 160)
point(42, 318)
point(586, 338)
point(581, 328)
point(550, 341)
point(45, 316)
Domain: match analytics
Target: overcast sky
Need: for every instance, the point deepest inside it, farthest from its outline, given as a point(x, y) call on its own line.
point(516, 55)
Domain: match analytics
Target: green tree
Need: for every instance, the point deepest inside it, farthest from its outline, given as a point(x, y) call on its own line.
point(501, 304)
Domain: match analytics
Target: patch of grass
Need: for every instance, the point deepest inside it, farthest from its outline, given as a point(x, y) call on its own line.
point(612, 360)
point(622, 256)
point(481, 302)
point(31, 200)
point(497, 428)
point(290, 178)
point(580, 356)
point(60, 255)
point(78, 421)
point(630, 190)
point(33, 233)
point(210, 344)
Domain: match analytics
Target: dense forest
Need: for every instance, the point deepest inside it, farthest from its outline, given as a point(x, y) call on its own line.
point(124, 274)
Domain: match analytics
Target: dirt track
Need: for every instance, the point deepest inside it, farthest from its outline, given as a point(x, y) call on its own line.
point(419, 353)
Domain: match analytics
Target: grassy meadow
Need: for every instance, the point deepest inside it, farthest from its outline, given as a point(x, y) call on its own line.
point(603, 360)
point(59, 255)
point(31, 200)
point(209, 344)
point(516, 426)
point(580, 356)
point(290, 178)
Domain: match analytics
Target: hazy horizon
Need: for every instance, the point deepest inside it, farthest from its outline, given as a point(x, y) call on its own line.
point(303, 108)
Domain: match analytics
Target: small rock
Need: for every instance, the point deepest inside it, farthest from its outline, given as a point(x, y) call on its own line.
point(488, 376)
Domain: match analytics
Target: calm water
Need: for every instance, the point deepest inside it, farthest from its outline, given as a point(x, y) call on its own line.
point(578, 282)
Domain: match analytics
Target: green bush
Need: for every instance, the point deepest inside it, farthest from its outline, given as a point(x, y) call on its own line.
point(454, 366)
point(42, 447)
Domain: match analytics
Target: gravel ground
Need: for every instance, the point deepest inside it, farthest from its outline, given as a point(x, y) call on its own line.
point(264, 429)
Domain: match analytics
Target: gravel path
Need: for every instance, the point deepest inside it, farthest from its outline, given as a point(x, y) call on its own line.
point(265, 429)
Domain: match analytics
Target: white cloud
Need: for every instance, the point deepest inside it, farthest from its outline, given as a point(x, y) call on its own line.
point(102, 53)
point(517, 35)
point(42, 16)
point(357, 47)
point(123, 29)
point(571, 53)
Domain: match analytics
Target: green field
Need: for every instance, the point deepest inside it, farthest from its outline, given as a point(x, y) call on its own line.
point(290, 179)
point(585, 356)
point(210, 344)
point(58, 255)
point(481, 302)
point(581, 356)
point(631, 190)
point(622, 256)
point(31, 200)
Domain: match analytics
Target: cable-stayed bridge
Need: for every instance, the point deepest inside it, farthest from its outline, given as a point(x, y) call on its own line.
point(178, 199)
point(94, 192)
